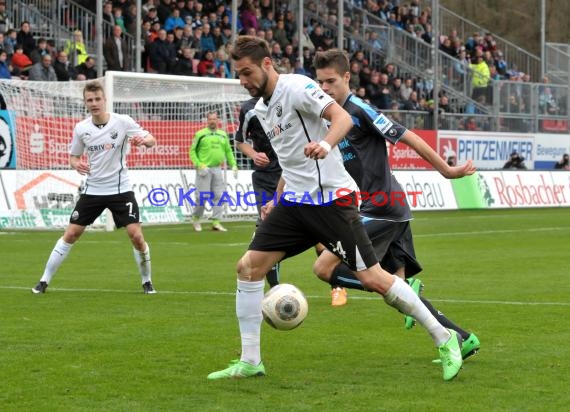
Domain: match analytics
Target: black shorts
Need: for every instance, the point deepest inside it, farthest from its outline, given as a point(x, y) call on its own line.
point(393, 245)
point(123, 206)
point(264, 185)
point(293, 228)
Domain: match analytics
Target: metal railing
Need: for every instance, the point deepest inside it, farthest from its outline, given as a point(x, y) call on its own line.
point(354, 41)
point(46, 26)
point(510, 106)
point(514, 55)
point(58, 19)
point(557, 62)
point(416, 57)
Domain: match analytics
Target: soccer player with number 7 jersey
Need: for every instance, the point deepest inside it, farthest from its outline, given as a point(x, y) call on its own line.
point(105, 138)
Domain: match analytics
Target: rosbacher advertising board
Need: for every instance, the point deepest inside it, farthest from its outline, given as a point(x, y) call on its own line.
point(45, 198)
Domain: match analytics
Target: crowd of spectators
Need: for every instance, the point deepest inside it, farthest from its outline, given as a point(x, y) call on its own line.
point(192, 38)
point(22, 56)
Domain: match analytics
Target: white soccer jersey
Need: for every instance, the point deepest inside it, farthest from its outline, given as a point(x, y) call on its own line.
point(106, 150)
point(291, 120)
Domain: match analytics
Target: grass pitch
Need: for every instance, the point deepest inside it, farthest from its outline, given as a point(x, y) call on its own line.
point(94, 342)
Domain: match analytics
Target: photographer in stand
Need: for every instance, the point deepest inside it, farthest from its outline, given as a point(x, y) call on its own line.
point(563, 164)
point(515, 162)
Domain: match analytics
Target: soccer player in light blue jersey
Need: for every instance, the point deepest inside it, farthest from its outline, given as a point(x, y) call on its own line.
point(365, 156)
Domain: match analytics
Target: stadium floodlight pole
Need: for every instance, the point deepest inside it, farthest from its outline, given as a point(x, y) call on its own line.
point(234, 32)
point(138, 39)
point(300, 30)
point(339, 21)
point(435, 59)
point(99, 37)
point(234, 20)
point(542, 39)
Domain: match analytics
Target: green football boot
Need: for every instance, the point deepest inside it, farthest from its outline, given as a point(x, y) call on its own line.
point(239, 369)
point(470, 346)
point(450, 356)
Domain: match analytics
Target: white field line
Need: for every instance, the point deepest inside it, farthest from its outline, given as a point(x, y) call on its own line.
point(495, 232)
point(363, 297)
point(425, 235)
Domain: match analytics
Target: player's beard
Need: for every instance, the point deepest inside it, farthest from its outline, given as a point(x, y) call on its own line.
point(260, 91)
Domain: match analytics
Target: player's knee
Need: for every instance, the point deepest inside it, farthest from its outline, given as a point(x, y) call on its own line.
point(323, 270)
point(137, 239)
point(72, 234)
point(70, 237)
point(243, 268)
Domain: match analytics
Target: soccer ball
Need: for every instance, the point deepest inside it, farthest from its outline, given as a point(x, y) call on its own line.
point(284, 307)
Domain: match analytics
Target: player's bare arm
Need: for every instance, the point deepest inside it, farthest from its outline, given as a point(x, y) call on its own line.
point(266, 208)
point(260, 159)
point(340, 125)
point(149, 140)
point(427, 153)
point(78, 164)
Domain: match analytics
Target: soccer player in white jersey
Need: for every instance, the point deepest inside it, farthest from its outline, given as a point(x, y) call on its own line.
point(105, 138)
point(292, 110)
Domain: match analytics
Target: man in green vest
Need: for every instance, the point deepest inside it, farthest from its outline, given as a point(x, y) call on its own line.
point(480, 77)
point(209, 151)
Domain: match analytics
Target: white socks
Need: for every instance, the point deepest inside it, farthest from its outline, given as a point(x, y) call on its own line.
point(143, 263)
point(56, 258)
point(62, 248)
point(248, 310)
point(402, 297)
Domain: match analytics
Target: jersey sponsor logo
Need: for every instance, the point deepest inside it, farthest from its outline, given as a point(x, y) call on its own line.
point(344, 144)
point(101, 147)
point(318, 94)
point(383, 124)
point(278, 129)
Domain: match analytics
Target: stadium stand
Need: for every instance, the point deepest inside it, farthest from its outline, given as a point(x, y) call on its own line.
point(483, 81)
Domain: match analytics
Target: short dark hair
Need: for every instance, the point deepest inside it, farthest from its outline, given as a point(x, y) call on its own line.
point(335, 58)
point(93, 86)
point(250, 46)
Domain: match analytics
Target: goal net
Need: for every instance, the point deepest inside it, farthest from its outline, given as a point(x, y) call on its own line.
point(36, 124)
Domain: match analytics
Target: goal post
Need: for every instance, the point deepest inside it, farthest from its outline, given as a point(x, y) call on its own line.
point(172, 108)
